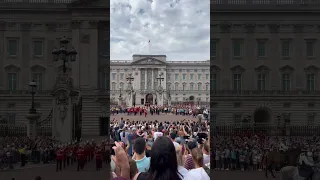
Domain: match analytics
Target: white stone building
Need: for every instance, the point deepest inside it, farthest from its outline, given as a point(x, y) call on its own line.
point(185, 81)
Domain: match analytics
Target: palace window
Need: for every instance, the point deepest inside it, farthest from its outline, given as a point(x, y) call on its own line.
point(113, 86)
point(38, 48)
point(191, 87)
point(114, 76)
point(310, 48)
point(191, 76)
point(169, 77)
point(199, 86)
point(122, 85)
point(237, 48)
point(261, 84)
point(183, 76)
point(176, 86)
point(286, 82)
point(184, 86)
point(207, 76)
point(199, 76)
point(237, 82)
point(311, 82)
point(37, 77)
point(207, 86)
point(121, 76)
point(13, 46)
point(261, 49)
point(12, 81)
point(176, 77)
point(285, 48)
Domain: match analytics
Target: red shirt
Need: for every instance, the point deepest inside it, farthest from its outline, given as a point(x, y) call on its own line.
point(98, 155)
point(80, 154)
point(59, 154)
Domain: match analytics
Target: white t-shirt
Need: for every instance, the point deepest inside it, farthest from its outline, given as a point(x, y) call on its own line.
point(157, 134)
point(198, 174)
point(206, 159)
point(183, 171)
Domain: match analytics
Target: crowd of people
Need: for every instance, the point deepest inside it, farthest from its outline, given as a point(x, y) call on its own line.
point(160, 150)
point(185, 110)
point(248, 151)
point(20, 151)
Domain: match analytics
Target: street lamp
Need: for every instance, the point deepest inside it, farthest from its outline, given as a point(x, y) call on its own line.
point(64, 54)
point(120, 93)
point(33, 86)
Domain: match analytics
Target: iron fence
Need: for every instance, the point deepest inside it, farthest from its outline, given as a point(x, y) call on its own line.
point(266, 130)
point(12, 130)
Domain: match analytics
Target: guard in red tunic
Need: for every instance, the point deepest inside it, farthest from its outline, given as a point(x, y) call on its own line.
point(98, 155)
point(80, 158)
point(59, 158)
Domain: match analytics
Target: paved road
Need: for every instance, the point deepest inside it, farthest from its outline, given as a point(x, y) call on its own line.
point(161, 117)
point(47, 172)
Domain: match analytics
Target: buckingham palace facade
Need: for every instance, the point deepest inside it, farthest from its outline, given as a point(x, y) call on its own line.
point(182, 81)
point(264, 62)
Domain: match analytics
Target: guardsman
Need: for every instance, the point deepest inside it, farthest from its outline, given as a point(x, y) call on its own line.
point(80, 158)
point(98, 154)
point(59, 158)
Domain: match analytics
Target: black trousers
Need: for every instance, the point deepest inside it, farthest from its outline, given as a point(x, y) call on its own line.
point(23, 160)
point(59, 165)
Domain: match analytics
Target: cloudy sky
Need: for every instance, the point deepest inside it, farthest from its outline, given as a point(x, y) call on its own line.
point(179, 29)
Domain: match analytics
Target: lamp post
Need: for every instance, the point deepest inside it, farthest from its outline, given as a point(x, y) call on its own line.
point(64, 54)
point(33, 86)
point(33, 116)
point(120, 93)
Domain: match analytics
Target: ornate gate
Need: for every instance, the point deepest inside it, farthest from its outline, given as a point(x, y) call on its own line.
point(77, 120)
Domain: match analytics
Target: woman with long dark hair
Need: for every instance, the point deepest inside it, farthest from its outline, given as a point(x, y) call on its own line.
point(163, 163)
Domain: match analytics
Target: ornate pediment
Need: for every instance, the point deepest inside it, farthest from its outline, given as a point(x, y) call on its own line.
point(90, 4)
point(37, 68)
point(262, 68)
point(311, 69)
point(286, 68)
point(238, 69)
point(214, 68)
point(148, 61)
point(12, 68)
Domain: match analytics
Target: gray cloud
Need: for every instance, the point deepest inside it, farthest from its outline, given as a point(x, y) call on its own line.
point(179, 29)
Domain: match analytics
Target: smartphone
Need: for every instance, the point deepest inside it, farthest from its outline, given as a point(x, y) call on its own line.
point(111, 149)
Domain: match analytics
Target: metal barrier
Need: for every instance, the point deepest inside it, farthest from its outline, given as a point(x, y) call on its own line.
point(266, 129)
point(13, 130)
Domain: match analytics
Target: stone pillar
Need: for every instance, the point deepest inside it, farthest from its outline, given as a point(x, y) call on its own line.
point(32, 125)
point(145, 78)
point(120, 101)
point(63, 100)
point(152, 79)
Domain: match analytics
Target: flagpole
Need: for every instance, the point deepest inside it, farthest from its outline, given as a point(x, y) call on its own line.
point(149, 47)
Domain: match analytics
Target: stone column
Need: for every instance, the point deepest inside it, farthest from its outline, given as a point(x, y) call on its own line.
point(152, 79)
point(145, 78)
point(32, 125)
